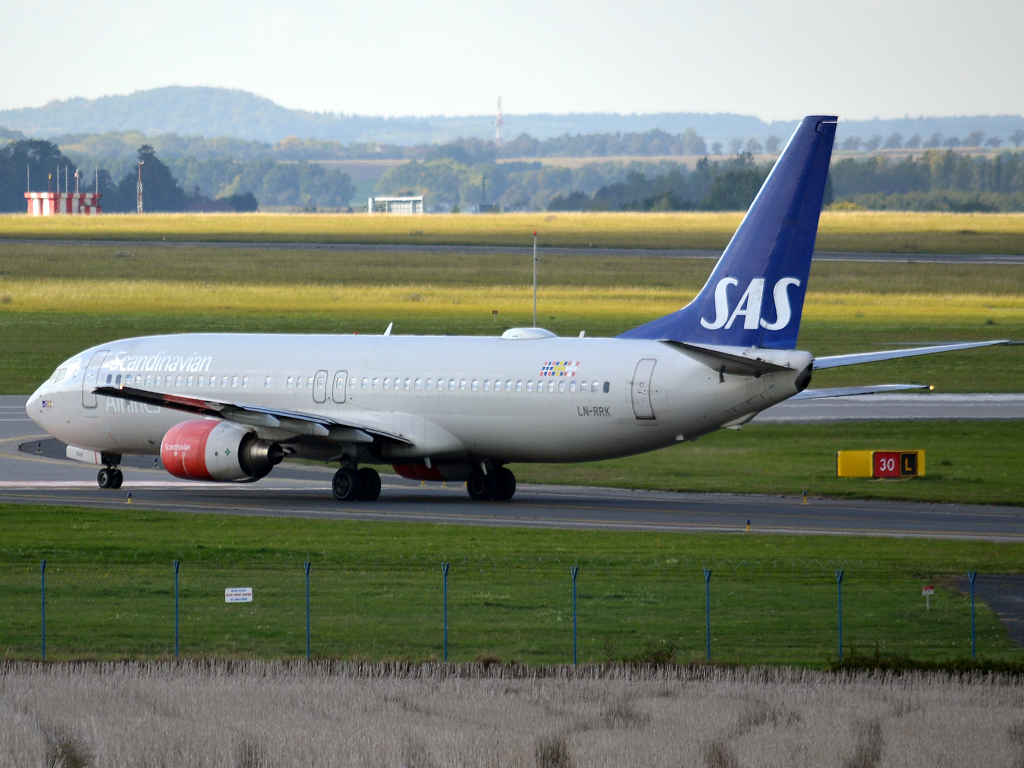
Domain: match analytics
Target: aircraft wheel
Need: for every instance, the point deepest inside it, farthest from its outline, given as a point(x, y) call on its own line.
point(105, 478)
point(481, 487)
point(347, 484)
point(371, 484)
point(506, 483)
point(118, 479)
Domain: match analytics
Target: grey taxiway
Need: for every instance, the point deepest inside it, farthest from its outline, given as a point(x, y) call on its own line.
point(33, 470)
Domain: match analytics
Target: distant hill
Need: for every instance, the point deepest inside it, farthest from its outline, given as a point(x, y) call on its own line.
point(215, 112)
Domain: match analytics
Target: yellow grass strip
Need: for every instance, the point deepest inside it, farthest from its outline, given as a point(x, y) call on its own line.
point(430, 300)
point(886, 231)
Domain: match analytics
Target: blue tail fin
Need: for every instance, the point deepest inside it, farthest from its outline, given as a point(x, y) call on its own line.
point(755, 295)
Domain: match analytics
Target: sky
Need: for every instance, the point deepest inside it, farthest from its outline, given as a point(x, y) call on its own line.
point(775, 60)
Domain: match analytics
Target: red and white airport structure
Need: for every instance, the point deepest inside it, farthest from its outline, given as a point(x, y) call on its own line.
point(63, 203)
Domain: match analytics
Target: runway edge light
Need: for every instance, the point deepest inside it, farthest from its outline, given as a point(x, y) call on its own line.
point(880, 464)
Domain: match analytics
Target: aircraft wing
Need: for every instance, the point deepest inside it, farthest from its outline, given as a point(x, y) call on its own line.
point(818, 394)
point(256, 416)
point(837, 361)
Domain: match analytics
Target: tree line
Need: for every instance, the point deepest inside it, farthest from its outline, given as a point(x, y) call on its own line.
point(178, 185)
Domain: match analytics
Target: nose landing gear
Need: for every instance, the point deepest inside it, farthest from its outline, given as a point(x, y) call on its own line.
point(351, 484)
point(110, 478)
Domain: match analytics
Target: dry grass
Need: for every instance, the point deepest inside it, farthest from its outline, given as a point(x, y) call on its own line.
point(85, 295)
point(253, 714)
point(843, 231)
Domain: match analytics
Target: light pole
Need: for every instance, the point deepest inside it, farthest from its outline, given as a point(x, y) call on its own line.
point(138, 189)
point(534, 279)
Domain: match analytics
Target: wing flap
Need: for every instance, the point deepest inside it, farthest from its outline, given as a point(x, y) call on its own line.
point(296, 422)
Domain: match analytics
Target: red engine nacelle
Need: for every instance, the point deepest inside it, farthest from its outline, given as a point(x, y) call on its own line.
point(217, 450)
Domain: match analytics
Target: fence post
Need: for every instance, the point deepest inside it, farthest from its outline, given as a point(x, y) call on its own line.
point(42, 593)
point(574, 570)
point(306, 565)
point(177, 564)
point(972, 575)
point(444, 570)
point(839, 585)
point(707, 607)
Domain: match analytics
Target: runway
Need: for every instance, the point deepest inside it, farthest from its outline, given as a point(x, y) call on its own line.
point(32, 471)
point(669, 253)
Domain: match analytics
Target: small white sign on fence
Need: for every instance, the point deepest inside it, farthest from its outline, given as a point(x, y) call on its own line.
point(928, 592)
point(238, 595)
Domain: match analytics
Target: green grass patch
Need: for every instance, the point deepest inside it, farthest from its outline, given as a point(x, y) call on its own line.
point(972, 462)
point(376, 590)
point(879, 231)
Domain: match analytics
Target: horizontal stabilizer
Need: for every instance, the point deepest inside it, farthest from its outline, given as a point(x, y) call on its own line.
point(722, 361)
point(252, 415)
point(837, 361)
point(878, 389)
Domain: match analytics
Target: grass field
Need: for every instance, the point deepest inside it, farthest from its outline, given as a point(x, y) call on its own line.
point(376, 591)
point(250, 714)
point(880, 231)
point(57, 300)
point(971, 462)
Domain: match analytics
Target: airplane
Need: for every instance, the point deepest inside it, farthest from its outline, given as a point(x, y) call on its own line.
point(230, 407)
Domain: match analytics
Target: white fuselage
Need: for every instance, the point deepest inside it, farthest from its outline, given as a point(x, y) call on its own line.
point(451, 398)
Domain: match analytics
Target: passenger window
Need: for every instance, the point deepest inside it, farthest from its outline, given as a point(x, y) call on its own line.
point(363, 383)
point(462, 385)
point(529, 386)
point(606, 387)
point(375, 383)
point(572, 386)
point(234, 381)
point(110, 377)
point(148, 380)
point(309, 381)
point(440, 384)
point(583, 386)
point(189, 382)
point(474, 385)
point(451, 385)
point(298, 382)
point(487, 385)
point(561, 386)
point(551, 386)
point(266, 381)
point(387, 381)
point(352, 383)
point(288, 383)
point(177, 381)
point(223, 381)
point(407, 382)
point(245, 382)
point(201, 381)
point(519, 386)
point(418, 382)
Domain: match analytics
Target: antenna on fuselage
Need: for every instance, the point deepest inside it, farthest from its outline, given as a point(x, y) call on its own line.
point(388, 331)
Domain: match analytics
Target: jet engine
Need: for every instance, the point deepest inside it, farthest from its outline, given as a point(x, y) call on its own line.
point(217, 450)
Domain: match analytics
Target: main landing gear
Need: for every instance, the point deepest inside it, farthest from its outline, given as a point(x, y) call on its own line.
point(499, 484)
point(351, 484)
point(110, 478)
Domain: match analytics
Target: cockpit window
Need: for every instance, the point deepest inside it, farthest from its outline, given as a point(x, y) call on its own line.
point(58, 375)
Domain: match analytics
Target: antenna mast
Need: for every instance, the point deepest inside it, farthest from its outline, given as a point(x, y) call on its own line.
point(498, 123)
point(139, 189)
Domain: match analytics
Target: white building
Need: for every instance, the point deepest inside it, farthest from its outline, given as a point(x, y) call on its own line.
point(395, 205)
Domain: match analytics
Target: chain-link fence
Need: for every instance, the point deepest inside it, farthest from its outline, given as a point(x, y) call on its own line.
point(507, 609)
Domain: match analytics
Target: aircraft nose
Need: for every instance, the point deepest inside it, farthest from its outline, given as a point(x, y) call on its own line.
point(32, 409)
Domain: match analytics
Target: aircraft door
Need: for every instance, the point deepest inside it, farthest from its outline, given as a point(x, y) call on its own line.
point(338, 389)
point(90, 382)
point(641, 389)
point(320, 387)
